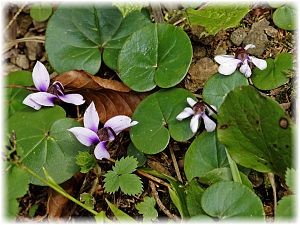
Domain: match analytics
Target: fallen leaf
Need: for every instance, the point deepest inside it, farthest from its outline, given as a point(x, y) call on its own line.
point(79, 79)
point(111, 103)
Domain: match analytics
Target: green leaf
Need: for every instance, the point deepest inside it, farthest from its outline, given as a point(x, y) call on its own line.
point(87, 32)
point(33, 210)
point(15, 96)
point(290, 176)
point(256, 131)
point(204, 155)
point(193, 198)
point(130, 184)
point(157, 120)
point(285, 17)
point(134, 152)
point(232, 200)
point(16, 186)
point(85, 161)
point(216, 175)
point(87, 199)
point(217, 17)
point(111, 182)
point(147, 209)
point(218, 86)
point(129, 7)
point(276, 74)
point(286, 208)
point(44, 141)
point(101, 218)
point(119, 214)
point(158, 54)
point(40, 12)
point(125, 165)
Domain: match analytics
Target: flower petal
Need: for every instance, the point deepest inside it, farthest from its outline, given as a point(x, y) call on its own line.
point(43, 98)
point(40, 77)
point(223, 58)
point(191, 101)
point(229, 67)
point(187, 112)
point(259, 63)
point(249, 46)
point(119, 123)
point(75, 99)
point(100, 151)
point(209, 124)
point(85, 136)
point(28, 101)
point(91, 118)
point(210, 112)
point(245, 69)
point(195, 123)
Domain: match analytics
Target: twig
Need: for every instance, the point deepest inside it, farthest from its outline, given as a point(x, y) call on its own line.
point(272, 182)
point(29, 88)
point(14, 18)
point(156, 11)
point(150, 177)
point(179, 21)
point(9, 45)
point(175, 164)
point(159, 203)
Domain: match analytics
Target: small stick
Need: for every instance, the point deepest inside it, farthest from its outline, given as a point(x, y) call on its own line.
point(9, 45)
point(29, 88)
point(159, 203)
point(14, 18)
point(272, 182)
point(175, 164)
point(153, 178)
point(179, 21)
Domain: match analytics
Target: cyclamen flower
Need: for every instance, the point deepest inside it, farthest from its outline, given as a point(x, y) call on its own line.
point(197, 110)
point(91, 135)
point(229, 63)
point(47, 94)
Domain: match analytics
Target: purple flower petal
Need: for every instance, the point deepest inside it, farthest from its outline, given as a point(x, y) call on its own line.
point(187, 112)
point(75, 99)
point(40, 77)
point(59, 87)
point(91, 118)
point(259, 63)
point(223, 58)
point(119, 123)
point(101, 151)
point(229, 67)
point(191, 101)
point(245, 69)
point(85, 136)
point(209, 124)
point(43, 98)
point(28, 101)
point(195, 123)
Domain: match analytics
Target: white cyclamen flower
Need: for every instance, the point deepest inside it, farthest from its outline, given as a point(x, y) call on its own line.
point(197, 111)
point(229, 63)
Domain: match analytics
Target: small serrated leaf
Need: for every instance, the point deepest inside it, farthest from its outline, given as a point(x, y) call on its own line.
point(147, 209)
point(88, 200)
point(130, 184)
point(111, 182)
point(85, 161)
point(290, 176)
point(126, 165)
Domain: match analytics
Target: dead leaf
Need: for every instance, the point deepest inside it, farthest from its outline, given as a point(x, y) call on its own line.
point(79, 79)
point(111, 103)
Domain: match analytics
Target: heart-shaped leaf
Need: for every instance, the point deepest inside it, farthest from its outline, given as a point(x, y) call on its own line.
point(15, 96)
point(40, 12)
point(215, 17)
point(216, 87)
point(87, 31)
point(286, 208)
point(204, 155)
point(193, 198)
point(276, 74)
point(285, 17)
point(255, 131)
point(44, 141)
point(232, 200)
point(156, 115)
point(158, 54)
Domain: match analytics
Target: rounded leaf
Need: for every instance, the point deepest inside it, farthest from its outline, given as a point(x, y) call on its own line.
point(256, 131)
point(218, 86)
point(232, 200)
point(40, 12)
point(156, 115)
point(285, 17)
point(158, 54)
point(275, 75)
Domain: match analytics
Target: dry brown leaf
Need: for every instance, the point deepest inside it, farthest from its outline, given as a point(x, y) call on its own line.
point(111, 103)
point(79, 79)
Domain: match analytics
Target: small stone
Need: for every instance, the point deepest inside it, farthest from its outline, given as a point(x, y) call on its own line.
point(260, 25)
point(271, 31)
point(258, 39)
point(221, 49)
point(199, 52)
point(238, 36)
point(197, 31)
point(22, 62)
point(190, 85)
point(24, 22)
point(33, 48)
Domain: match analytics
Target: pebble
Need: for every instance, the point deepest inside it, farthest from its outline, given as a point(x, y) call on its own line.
point(22, 62)
point(271, 31)
point(238, 36)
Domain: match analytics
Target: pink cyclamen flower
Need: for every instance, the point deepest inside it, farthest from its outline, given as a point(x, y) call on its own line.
point(91, 135)
point(229, 63)
point(197, 110)
point(47, 94)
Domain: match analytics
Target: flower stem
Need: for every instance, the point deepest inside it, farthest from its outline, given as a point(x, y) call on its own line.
point(234, 170)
